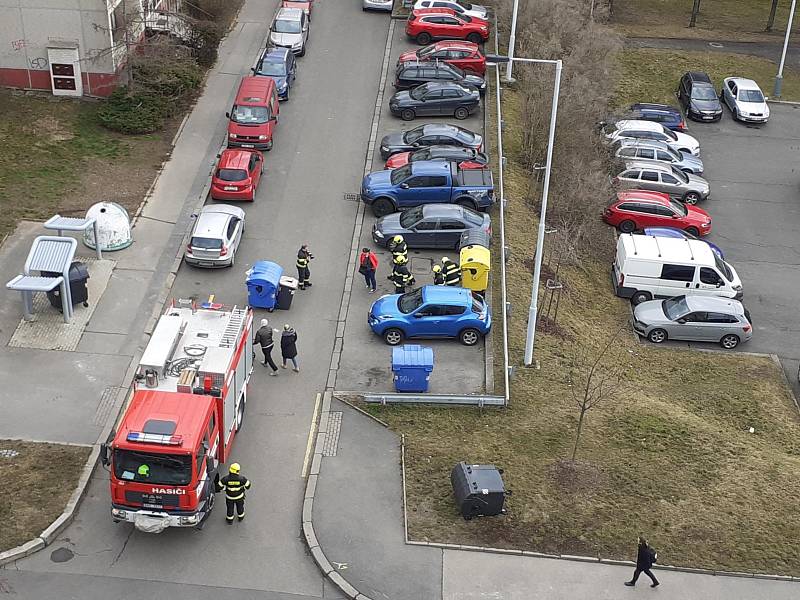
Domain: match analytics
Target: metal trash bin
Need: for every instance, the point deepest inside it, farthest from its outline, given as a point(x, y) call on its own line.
point(475, 237)
point(475, 264)
point(479, 490)
point(78, 288)
point(262, 284)
point(287, 286)
point(412, 366)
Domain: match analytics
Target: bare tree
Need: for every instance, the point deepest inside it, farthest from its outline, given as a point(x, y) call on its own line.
point(695, 12)
point(771, 18)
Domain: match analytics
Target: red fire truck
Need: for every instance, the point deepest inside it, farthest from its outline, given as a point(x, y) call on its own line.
point(188, 403)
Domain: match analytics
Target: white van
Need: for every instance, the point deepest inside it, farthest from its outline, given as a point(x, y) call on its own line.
point(648, 267)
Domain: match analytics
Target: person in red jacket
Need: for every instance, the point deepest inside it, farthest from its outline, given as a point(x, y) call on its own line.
point(367, 265)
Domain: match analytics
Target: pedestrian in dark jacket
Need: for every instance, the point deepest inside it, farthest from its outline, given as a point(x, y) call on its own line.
point(645, 558)
point(304, 256)
point(289, 347)
point(367, 265)
point(264, 339)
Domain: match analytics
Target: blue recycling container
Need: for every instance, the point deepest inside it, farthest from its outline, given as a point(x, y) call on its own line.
point(263, 281)
point(412, 366)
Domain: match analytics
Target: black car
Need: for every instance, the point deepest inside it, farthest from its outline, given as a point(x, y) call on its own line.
point(435, 99)
point(698, 97)
point(430, 225)
point(412, 74)
point(431, 134)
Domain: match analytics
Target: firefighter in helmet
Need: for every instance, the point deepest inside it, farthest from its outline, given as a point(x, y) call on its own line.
point(398, 247)
point(452, 274)
point(234, 485)
point(401, 277)
point(438, 276)
point(303, 273)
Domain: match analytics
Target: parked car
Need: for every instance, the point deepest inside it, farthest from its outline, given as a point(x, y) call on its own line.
point(431, 311)
point(697, 96)
point(215, 236)
point(695, 319)
point(464, 55)
point(254, 114)
point(289, 29)
point(638, 149)
point(458, 6)
point(430, 225)
point(430, 24)
point(426, 182)
point(432, 134)
point(669, 116)
point(637, 209)
point(281, 66)
point(237, 175)
point(685, 234)
point(659, 177)
point(435, 99)
point(649, 130)
point(467, 158)
point(412, 74)
point(305, 5)
point(745, 100)
point(377, 5)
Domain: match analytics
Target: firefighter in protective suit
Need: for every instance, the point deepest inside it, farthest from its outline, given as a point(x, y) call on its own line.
point(398, 247)
point(234, 485)
point(438, 276)
point(401, 277)
point(452, 274)
point(303, 272)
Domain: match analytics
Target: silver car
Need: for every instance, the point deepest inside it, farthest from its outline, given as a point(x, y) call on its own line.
point(694, 318)
point(289, 29)
point(216, 236)
point(745, 100)
point(377, 5)
point(659, 177)
point(633, 149)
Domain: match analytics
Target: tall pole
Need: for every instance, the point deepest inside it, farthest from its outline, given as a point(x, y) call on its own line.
point(537, 269)
point(779, 76)
point(512, 40)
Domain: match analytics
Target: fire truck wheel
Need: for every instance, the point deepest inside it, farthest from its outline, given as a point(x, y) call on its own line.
point(240, 416)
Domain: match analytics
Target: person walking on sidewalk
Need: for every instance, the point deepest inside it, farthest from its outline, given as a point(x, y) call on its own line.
point(289, 347)
point(645, 558)
point(367, 265)
point(234, 485)
point(264, 339)
point(303, 273)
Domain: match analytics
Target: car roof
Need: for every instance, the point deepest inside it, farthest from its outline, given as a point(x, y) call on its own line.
point(444, 150)
point(430, 128)
point(442, 210)
point(644, 195)
point(699, 77)
point(276, 54)
point(232, 158)
point(459, 44)
point(648, 107)
point(640, 124)
point(441, 85)
point(434, 11)
point(714, 304)
point(648, 164)
point(293, 14)
point(743, 83)
point(643, 142)
point(446, 295)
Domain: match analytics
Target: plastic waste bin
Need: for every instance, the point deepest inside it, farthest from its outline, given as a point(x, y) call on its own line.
point(262, 283)
point(478, 490)
point(287, 286)
point(475, 237)
point(475, 264)
point(78, 288)
point(412, 366)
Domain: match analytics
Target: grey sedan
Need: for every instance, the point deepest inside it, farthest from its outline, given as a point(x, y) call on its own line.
point(436, 98)
point(430, 225)
point(633, 149)
point(694, 318)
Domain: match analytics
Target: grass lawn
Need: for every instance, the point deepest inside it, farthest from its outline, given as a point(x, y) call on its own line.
point(36, 485)
point(652, 75)
point(669, 456)
point(740, 20)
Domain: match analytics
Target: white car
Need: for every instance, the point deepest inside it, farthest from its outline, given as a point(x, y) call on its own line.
point(650, 130)
point(216, 236)
point(745, 99)
point(289, 29)
point(459, 6)
point(377, 5)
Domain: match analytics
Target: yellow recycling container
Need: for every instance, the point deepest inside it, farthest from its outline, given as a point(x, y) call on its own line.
point(475, 267)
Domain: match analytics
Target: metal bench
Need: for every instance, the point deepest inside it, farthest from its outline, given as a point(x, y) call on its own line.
point(60, 224)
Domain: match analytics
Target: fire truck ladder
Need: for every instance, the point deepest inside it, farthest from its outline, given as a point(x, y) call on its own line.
point(235, 323)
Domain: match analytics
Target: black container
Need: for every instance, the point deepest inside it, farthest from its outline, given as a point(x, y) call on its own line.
point(475, 237)
point(78, 288)
point(286, 289)
point(478, 490)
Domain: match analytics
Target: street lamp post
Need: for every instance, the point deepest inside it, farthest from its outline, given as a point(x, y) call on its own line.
point(512, 41)
point(779, 76)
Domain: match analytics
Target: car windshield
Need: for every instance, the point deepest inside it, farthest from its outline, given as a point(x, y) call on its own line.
point(426, 51)
point(286, 26)
point(466, 5)
point(723, 267)
point(412, 136)
point(206, 243)
point(411, 216)
point(460, 72)
point(465, 136)
point(673, 153)
point(703, 92)
point(161, 469)
point(680, 174)
point(272, 68)
point(408, 303)
point(418, 92)
point(670, 134)
point(423, 154)
point(679, 207)
point(751, 96)
point(231, 174)
point(477, 305)
point(400, 174)
point(675, 308)
point(472, 217)
point(250, 115)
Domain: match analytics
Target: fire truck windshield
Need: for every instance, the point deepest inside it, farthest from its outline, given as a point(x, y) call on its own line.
point(168, 469)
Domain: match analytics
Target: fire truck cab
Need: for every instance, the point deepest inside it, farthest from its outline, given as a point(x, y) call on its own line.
point(189, 399)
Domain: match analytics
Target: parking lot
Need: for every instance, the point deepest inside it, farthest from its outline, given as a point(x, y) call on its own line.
point(365, 363)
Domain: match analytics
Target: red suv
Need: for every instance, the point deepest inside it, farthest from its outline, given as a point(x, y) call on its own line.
point(637, 209)
point(237, 175)
point(464, 55)
point(429, 24)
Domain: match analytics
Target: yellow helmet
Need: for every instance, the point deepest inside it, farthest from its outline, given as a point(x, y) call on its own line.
point(235, 468)
point(400, 260)
point(437, 269)
point(397, 239)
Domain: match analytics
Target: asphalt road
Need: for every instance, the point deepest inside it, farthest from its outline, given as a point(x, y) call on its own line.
point(319, 154)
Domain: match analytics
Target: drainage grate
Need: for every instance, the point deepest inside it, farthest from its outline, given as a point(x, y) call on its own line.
point(332, 438)
point(8, 453)
point(352, 197)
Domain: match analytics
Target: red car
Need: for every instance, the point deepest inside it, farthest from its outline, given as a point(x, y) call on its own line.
point(464, 55)
point(304, 5)
point(237, 175)
point(429, 24)
point(467, 158)
point(637, 209)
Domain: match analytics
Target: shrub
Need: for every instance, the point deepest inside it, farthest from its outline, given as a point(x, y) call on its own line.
point(132, 113)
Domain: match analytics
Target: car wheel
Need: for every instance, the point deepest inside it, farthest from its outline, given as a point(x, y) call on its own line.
point(303, 51)
point(469, 337)
point(691, 197)
point(393, 336)
point(382, 206)
point(408, 114)
point(627, 226)
point(467, 203)
point(461, 113)
point(475, 38)
point(729, 342)
point(657, 336)
point(692, 231)
point(233, 260)
point(639, 297)
point(423, 39)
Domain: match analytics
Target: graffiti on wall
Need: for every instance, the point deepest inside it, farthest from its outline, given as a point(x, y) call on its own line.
point(39, 63)
point(17, 45)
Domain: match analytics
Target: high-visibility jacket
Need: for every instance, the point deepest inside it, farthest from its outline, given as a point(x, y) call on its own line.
point(401, 277)
point(400, 249)
point(452, 274)
point(438, 278)
point(234, 486)
point(303, 256)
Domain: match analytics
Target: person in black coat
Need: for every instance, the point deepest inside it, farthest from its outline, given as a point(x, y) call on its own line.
point(645, 558)
point(264, 339)
point(289, 347)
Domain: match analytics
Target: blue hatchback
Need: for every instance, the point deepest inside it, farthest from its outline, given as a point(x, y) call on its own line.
point(674, 232)
point(280, 64)
point(432, 311)
point(669, 116)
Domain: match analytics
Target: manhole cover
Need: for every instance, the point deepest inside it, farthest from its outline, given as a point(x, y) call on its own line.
point(60, 555)
point(421, 266)
point(8, 453)
point(715, 45)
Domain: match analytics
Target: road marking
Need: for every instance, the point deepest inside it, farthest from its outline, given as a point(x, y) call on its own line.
point(311, 437)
